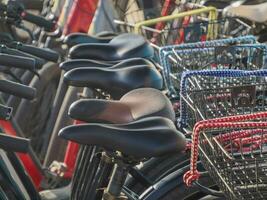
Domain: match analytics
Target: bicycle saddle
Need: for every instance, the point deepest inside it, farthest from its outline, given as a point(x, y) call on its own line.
point(81, 38)
point(136, 104)
point(256, 13)
point(79, 63)
point(145, 138)
point(116, 82)
point(122, 47)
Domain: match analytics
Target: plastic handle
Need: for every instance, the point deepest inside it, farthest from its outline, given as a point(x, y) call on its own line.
point(17, 62)
point(38, 61)
point(14, 144)
point(44, 53)
point(39, 21)
point(17, 89)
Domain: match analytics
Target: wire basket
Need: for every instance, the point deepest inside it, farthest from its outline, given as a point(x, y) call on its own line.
point(233, 151)
point(243, 56)
point(177, 23)
point(239, 164)
point(209, 94)
point(137, 12)
point(179, 27)
point(166, 59)
point(234, 27)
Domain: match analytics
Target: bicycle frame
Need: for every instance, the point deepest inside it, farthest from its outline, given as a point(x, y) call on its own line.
point(71, 153)
point(81, 16)
point(30, 161)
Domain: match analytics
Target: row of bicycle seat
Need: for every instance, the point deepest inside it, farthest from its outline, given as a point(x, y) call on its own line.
point(136, 120)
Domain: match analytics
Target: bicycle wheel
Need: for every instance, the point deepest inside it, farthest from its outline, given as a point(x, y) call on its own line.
point(156, 168)
point(182, 192)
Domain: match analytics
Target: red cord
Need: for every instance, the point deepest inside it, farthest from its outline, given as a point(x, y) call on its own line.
point(239, 121)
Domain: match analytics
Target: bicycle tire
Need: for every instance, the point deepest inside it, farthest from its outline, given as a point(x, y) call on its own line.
point(182, 192)
point(155, 166)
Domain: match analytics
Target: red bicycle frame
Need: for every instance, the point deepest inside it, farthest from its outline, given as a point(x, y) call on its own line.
point(27, 161)
point(81, 16)
point(71, 153)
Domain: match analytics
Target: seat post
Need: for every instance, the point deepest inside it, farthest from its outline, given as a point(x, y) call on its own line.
point(116, 182)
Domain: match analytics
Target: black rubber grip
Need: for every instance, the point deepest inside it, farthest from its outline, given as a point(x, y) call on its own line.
point(39, 21)
point(17, 89)
point(5, 112)
point(17, 62)
point(14, 144)
point(44, 53)
point(38, 61)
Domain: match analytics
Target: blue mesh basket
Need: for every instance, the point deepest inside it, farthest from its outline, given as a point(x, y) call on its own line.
point(243, 56)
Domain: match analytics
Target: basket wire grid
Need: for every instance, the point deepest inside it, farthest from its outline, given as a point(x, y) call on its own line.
point(164, 51)
point(182, 26)
point(236, 158)
point(141, 12)
point(209, 94)
point(189, 26)
point(243, 56)
point(193, 29)
point(179, 23)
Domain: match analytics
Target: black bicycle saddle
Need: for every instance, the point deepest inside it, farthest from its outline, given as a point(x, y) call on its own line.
point(82, 38)
point(122, 47)
point(145, 138)
point(136, 104)
point(79, 63)
point(116, 82)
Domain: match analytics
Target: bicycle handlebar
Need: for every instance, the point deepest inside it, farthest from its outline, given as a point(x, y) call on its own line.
point(17, 89)
point(39, 21)
point(17, 62)
point(38, 61)
point(14, 144)
point(46, 54)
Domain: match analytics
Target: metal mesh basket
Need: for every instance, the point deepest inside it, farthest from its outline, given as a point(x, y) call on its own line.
point(236, 158)
point(243, 56)
point(211, 94)
point(174, 23)
point(234, 27)
point(177, 23)
point(178, 31)
point(137, 12)
point(233, 151)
